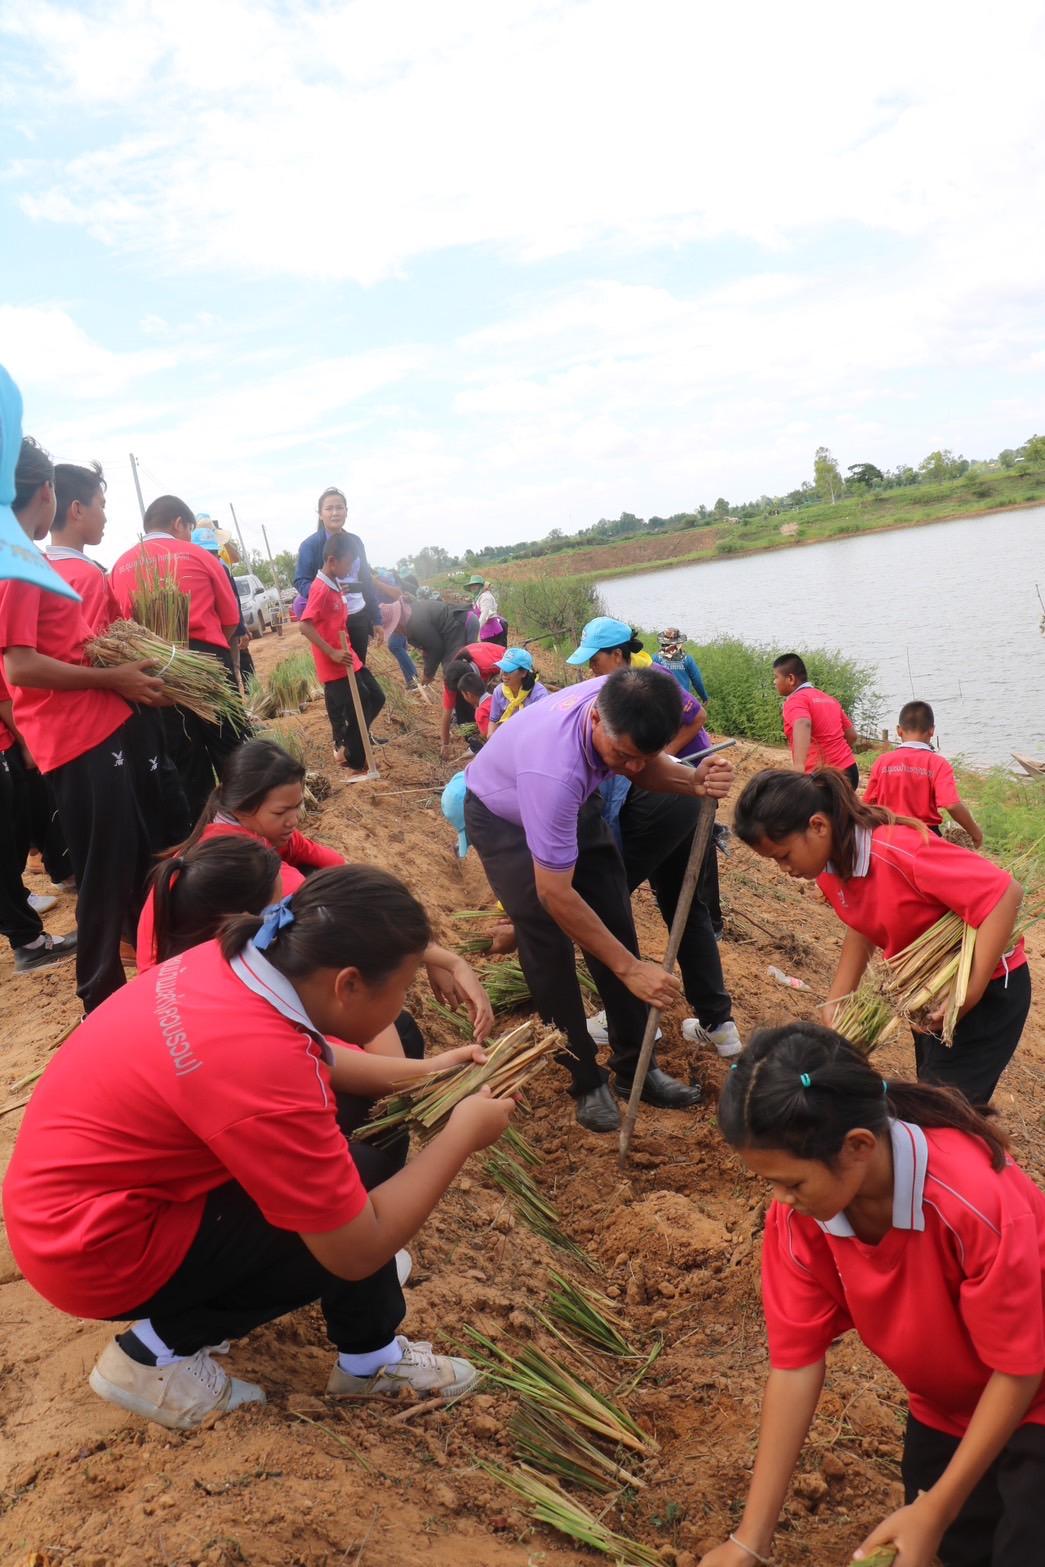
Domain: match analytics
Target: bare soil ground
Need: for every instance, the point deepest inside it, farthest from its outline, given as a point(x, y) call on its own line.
point(652, 549)
point(303, 1482)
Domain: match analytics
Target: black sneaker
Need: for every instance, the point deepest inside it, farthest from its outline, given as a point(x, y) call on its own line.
point(667, 1093)
point(51, 951)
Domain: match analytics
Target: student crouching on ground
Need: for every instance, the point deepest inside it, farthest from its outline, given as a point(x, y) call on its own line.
point(889, 880)
point(896, 1213)
point(553, 864)
point(181, 1164)
point(819, 731)
point(915, 780)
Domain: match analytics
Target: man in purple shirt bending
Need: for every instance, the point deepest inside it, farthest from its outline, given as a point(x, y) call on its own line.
point(531, 815)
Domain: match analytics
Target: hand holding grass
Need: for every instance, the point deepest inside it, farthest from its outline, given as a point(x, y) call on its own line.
point(481, 1119)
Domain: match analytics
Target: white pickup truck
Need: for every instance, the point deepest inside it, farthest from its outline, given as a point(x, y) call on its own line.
point(258, 604)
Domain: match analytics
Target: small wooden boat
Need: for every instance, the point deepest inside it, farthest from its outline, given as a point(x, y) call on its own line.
point(1035, 768)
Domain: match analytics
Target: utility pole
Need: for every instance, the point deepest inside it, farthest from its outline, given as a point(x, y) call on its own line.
point(276, 579)
point(239, 535)
point(137, 483)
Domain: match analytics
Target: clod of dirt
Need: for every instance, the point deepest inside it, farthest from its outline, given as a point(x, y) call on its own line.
point(667, 1228)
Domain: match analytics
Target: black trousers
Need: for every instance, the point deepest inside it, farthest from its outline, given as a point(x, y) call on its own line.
point(984, 1042)
point(18, 922)
point(1001, 1523)
point(342, 713)
point(852, 772)
point(546, 953)
point(656, 834)
point(109, 849)
point(198, 749)
point(41, 815)
point(358, 628)
point(161, 796)
point(241, 1271)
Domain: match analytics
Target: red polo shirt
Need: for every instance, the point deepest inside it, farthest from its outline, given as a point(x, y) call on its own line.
point(903, 884)
point(485, 656)
point(326, 611)
point(953, 1292)
point(97, 599)
point(914, 780)
point(213, 603)
point(57, 726)
point(198, 1073)
point(828, 746)
point(299, 851)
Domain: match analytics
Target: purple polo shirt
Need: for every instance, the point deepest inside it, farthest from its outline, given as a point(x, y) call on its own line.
point(538, 771)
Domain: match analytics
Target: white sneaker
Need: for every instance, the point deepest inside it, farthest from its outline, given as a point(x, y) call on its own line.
point(420, 1371)
point(725, 1038)
point(178, 1397)
point(404, 1266)
point(40, 902)
point(598, 1033)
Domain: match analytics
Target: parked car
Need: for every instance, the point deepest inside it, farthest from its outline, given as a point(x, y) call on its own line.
point(260, 605)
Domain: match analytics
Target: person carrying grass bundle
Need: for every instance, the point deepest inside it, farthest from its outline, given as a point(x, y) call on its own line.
point(888, 880)
point(465, 680)
point(197, 748)
point(915, 780)
point(819, 731)
point(519, 686)
point(324, 623)
point(655, 832)
point(897, 1213)
point(182, 1166)
point(76, 723)
point(531, 815)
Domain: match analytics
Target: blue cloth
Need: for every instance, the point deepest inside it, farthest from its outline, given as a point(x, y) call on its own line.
point(453, 809)
point(310, 564)
point(613, 792)
point(20, 560)
point(686, 671)
point(273, 919)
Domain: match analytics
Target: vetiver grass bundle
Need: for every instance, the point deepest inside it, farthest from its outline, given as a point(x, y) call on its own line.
point(558, 1447)
point(424, 1106)
point(545, 1385)
point(550, 1505)
point(529, 1203)
point(157, 601)
point(292, 684)
point(906, 985)
point(590, 1314)
point(193, 680)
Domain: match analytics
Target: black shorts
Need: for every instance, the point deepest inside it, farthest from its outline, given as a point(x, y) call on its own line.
point(1001, 1523)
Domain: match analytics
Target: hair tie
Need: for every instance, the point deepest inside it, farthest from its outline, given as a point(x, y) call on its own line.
point(805, 1080)
point(885, 1086)
point(273, 919)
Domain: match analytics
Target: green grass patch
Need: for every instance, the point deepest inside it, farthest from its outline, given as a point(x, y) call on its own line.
point(1011, 811)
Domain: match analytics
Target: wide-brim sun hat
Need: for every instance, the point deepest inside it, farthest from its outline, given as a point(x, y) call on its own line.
point(476, 582)
point(206, 537)
point(515, 658)
point(20, 560)
point(599, 634)
point(453, 809)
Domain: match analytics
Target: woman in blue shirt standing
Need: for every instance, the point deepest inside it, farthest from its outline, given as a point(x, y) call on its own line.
point(360, 595)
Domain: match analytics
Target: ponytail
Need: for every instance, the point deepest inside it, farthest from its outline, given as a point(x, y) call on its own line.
point(196, 891)
point(350, 916)
point(801, 1089)
point(251, 772)
point(776, 803)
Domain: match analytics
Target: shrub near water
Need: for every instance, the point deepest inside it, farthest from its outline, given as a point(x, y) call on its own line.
point(554, 607)
point(744, 703)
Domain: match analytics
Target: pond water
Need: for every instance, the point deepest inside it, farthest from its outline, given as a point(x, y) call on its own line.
point(948, 613)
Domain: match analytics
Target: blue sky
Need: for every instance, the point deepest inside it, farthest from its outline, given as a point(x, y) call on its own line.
point(495, 269)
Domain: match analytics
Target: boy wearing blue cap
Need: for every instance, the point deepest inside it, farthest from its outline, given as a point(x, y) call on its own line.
point(519, 686)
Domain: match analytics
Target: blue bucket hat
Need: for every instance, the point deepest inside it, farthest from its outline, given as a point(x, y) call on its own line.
point(515, 658)
point(20, 560)
point(598, 635)
point(206, 538)
point(453, 809)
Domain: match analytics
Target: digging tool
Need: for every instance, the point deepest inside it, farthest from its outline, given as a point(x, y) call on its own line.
point(698, 849)
point(353, 686)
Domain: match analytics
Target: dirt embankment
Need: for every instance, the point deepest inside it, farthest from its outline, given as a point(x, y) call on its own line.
point(652, 549)
point(303, 1482)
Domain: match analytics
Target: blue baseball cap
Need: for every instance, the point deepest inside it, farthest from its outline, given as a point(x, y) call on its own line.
point(20, 560)
point(598, 635)
point(514, 658)
point(453, 809)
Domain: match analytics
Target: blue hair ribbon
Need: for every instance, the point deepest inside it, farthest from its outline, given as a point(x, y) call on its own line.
point(806, 1080)
point(273, 919)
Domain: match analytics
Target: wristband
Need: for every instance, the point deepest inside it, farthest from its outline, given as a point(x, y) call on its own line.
point(762, 1560)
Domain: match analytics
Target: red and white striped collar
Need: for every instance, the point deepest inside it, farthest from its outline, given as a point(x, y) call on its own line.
point(910, 1165)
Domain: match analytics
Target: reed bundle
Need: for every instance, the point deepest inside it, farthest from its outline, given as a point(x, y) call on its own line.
point(425, 1105)
point(555, 1446)
point(157, 601)
point(906, 986)
point(543, 1384)
point(290, 687)
point(590, 1314)
point(550, 1505)
point(529, 1203)
point(195, 681)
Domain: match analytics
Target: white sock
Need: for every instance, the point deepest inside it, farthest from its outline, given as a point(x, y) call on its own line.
point(366, 1365)
point(147, 1336)
point(31, 946)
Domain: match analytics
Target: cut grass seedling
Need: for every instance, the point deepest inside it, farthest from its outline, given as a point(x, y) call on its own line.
point(550, 1505)
point(529, 1203)
point(589, 1314)
point(194, 681)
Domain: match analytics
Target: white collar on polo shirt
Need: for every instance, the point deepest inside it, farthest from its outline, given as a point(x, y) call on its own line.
point(158, 533)
point(910, 1163)
point(62, 552)
point(913, 745)
point(862, 857)
point(331, 582)
point(253, 969)
point(807, 685)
